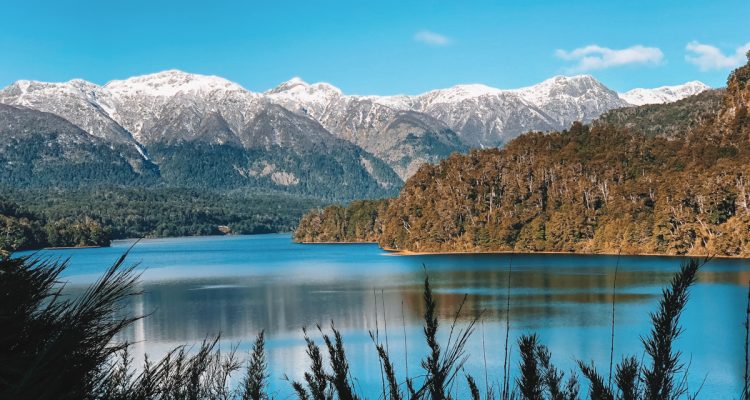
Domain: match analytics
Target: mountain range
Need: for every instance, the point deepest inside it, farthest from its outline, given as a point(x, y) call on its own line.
point(178, 129)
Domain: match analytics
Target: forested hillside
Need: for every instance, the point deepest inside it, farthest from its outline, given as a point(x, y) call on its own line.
point(144, 212)
point(606, 188)
point(668, 120)
point(357, 222)
point(21, 229)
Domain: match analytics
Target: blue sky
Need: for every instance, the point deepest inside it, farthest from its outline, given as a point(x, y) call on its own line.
point(383, 47)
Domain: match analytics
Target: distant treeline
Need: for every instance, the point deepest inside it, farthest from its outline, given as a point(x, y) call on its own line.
point(82, 217)
point(606, 188)
point(21, 230)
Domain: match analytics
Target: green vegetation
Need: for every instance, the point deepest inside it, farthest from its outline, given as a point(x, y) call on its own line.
point(52, 347)
point(91, 217)
point(22, 230)
point(159, 212)
point(598, 189)
point(316, 172)
point(358, 222)
point(671, 120)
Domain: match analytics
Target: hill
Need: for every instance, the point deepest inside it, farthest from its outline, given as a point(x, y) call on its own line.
point(598, 189)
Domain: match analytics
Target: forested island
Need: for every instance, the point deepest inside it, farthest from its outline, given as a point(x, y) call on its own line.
point(661, 179)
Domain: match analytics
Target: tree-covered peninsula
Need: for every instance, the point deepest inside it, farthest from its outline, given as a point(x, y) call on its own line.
point(614, 186)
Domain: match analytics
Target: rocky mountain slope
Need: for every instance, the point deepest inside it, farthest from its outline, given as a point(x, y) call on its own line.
point(481, 116)
point(205, 131)
point(43, 149)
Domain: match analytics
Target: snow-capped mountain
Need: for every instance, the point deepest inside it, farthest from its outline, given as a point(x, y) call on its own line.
point(369, 137)
point(43, 149)
point(480, 115)
point(569, 99)
point(172, 105)
point(663, 94)
point(83, 103)
point(388, 127)
point(206, 131)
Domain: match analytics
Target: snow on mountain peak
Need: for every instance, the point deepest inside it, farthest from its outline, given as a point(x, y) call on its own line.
point(460, 92)
point(663, 94)
point(568, 88)
point(171, 82)
point(295, 81)
point(167, 104)
point(298, 95)
point(296, 86)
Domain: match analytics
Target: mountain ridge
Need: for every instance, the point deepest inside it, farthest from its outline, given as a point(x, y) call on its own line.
point(381, 139)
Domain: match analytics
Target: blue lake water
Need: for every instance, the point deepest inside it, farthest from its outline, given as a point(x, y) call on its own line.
point(237, 285)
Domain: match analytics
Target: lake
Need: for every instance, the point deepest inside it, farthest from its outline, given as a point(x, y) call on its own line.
point(237, 285)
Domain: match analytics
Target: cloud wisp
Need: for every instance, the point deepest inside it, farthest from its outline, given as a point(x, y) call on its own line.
point(432, 38)
point(707, 57)
point(593, 57)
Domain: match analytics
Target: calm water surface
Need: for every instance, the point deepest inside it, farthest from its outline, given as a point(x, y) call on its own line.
point(238, 285)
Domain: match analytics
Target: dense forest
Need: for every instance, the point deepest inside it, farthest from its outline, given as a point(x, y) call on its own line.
point(357, 222)
point(21, 229)
point(615, 186)
point(51, 217)
point(78, 189)
point(667, 120)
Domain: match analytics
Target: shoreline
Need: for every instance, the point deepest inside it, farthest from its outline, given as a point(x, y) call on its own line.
point(72, 247)
point(332, 242)
point(407, 253)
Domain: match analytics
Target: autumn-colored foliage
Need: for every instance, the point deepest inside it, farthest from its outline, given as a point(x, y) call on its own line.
point(599, 189)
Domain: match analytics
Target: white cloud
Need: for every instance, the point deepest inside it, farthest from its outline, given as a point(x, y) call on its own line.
point(708, 57)
point(595, 57)
point(432, 38)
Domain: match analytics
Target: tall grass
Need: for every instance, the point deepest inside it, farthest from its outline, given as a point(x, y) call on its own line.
point(56, 348)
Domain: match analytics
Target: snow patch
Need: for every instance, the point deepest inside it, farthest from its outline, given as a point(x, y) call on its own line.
point(663, 94)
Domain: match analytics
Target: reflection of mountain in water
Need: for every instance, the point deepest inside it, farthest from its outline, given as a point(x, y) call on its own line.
point(186, 311)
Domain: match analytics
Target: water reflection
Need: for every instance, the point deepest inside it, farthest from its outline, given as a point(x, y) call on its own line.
point(236, 286)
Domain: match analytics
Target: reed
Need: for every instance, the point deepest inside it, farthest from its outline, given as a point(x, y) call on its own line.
point(659, 377)
point(598, 389)
point(257, 371)
point(530, 381)
point(394, 390)
point(505, 392)
point(626, 377)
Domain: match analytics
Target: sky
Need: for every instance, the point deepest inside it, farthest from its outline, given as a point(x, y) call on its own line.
point(384, 47)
